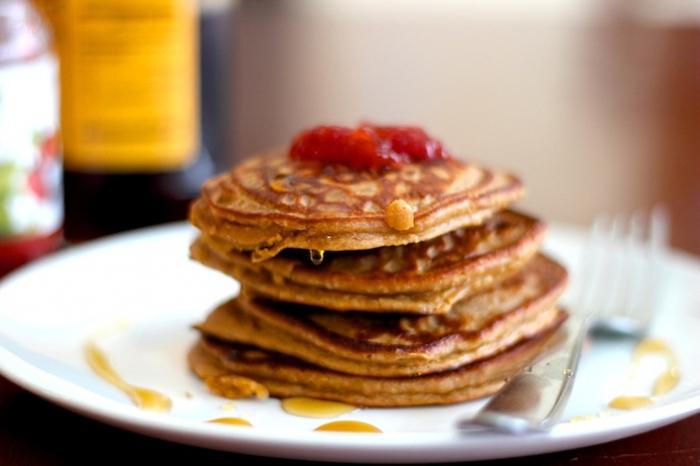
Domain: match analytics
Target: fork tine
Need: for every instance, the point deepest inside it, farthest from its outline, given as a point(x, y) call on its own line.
point(659, 228)
point(614, 272)
point(590, 265)
point(634, 316)
point(656, 244)
point(637, 264)
point(598, 296)
point(633, 247)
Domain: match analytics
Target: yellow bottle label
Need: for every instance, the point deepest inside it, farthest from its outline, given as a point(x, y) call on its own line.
point(128, 84)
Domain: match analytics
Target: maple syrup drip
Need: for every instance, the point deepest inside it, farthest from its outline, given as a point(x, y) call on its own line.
point(631, 402)
point(588, 417)
point(577, 419)
point(310, 407)
point(652, 346)
point(231, 421)
point(670, 378)
point(663, 384)
point(228, 406)
point(144, 398)
point(316, 256)
point(667, 381)
point(348, 426)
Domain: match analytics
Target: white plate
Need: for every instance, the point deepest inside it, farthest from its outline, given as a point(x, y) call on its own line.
point(144, 279)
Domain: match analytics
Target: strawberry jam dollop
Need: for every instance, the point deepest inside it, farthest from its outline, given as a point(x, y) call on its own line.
point(367, 146)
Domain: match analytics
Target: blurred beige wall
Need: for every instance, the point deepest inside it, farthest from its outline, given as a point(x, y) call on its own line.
point(566, 93)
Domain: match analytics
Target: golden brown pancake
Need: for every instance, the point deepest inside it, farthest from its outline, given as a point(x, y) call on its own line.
point(426, 278)
point(270, 203)
point(398, 345)
point(442, 292)
point(222, 365)
point(437, 302)
point(442, 262)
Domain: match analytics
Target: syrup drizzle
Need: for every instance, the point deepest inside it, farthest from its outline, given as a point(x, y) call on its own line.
point(144, 398)
point(629, 402)
point(668, 380)
point(663, 384)
point(316, 256)
point(231, 421)
point(348, 426)
point(310, 407)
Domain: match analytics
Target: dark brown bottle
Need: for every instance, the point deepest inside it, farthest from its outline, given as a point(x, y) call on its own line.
point(98, 204)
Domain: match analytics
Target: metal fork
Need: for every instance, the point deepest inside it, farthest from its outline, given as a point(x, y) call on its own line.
point(619, 273)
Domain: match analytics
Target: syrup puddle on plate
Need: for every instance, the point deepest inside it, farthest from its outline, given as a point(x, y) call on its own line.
point(144, 398)
point(310, 407)
point(231, 421)
point(348, 426)
point(629, 402)
point(228, 406)
point(669, 378)
point(589, 417)
point(664, 383)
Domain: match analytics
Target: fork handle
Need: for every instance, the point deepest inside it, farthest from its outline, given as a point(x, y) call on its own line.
point(534, 399)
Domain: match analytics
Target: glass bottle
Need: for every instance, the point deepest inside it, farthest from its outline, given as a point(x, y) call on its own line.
point(129, 113)
point(31, 211)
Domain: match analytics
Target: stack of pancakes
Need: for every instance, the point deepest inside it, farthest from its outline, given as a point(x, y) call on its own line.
point(409, 286)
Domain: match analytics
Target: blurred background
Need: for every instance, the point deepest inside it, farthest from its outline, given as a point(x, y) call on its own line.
point(595, 103)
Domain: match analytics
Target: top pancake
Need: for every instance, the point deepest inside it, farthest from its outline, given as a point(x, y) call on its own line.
point(269, 203)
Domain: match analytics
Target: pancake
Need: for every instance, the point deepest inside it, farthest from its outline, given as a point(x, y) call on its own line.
point(424, 278)
point(270, 203)
point(263, 282)
point(403, 286)
point(504, 242)
point(223, 366)
point(398, 345)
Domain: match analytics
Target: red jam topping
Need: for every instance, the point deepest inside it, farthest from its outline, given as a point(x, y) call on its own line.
point(367, 146)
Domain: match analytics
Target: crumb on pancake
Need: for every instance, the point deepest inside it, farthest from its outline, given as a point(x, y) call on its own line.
point(399, 215)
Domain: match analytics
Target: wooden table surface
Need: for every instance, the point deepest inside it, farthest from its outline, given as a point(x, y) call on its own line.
point(35, 432)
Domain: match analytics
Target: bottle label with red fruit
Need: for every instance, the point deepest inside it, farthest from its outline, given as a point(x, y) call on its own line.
point(30, 169)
